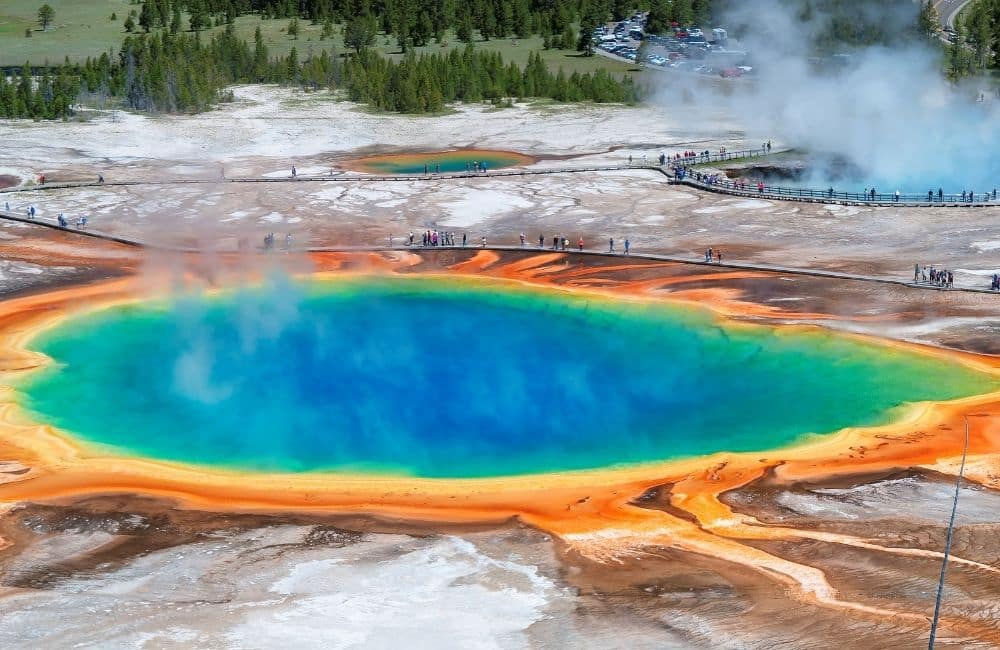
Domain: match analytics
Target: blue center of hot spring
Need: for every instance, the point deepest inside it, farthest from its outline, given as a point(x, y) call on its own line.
point(456, 378)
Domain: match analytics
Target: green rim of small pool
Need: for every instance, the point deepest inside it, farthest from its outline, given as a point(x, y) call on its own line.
point(445, 162)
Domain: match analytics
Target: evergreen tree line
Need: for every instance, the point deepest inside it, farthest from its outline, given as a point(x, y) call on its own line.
point(410, 22)
point(164, 72)
point(425, 83)
point(976, 43)
point(683, 12)
point(50, 96)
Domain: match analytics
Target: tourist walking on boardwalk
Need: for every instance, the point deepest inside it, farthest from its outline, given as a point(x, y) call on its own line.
point(708, 254)
point(896, 196)
point(718, 255)
point(411, 239)
point(294, 172)
point(522, 240)
point(288, 241)
point(611, 244)
point(630, 160)
point(580, 244)
point(541, 241)
point(916, 273)
point(555, 243)
point(628, 245)
point(484, 241)
point(464, 239)
point(100, 179)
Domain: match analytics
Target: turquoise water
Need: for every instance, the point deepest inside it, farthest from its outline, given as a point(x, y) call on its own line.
point(456, 378)
point(443, 161)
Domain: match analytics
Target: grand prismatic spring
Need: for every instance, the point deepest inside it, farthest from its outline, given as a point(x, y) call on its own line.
point(428, 390)
point(457, 378)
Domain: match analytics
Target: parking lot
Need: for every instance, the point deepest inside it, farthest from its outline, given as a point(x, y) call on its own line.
point(690, 49)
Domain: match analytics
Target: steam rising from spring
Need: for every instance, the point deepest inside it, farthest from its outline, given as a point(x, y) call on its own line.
point(889, 112)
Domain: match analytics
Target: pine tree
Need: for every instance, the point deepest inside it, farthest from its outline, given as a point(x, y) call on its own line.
point(199, 15)
point(46, 14)
point(260, 57)
point(928, 21)
point(175, 17)
point(658, 19)
point(589, 21)
point(360, 32)
point(146, 17)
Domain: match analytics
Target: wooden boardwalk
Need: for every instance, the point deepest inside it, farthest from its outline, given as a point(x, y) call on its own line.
point(572, 252)
point(772, 193)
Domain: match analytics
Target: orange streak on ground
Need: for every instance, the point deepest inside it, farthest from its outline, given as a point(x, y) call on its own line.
point(590, 510)
point(525, 268)
point(588, 270)
point(482, 260)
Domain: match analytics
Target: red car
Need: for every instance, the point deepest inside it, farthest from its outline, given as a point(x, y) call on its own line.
point(731, 73)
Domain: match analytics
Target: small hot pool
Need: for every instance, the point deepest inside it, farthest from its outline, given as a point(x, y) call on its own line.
point(443, 161)
point(456, 378)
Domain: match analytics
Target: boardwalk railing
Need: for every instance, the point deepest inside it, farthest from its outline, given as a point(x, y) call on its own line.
point(707, 157)
point(659, 257)
point(746, 188)
point(677, 168)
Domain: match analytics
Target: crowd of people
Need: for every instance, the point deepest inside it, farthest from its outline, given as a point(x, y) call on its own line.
point(30, 212)
point(934, 276)
point(435, 238)
point(269, 241)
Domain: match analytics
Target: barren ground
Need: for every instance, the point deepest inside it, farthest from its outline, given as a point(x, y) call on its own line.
point(127, 571)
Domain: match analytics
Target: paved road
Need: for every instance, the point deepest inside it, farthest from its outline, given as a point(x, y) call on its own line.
point(949, 10)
